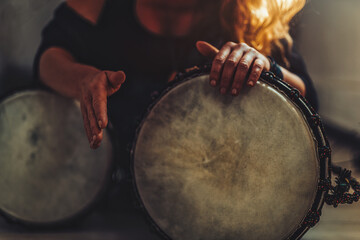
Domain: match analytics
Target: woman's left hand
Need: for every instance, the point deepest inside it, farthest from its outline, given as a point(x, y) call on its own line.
point(234, 65)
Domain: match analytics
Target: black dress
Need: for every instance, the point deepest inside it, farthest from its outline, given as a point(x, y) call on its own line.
point(119, 42)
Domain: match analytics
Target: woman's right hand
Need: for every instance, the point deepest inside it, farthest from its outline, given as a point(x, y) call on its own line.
point(93, 92)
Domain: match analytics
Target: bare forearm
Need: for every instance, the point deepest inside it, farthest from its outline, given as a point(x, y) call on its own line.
point(294, 81)
point(59, 70)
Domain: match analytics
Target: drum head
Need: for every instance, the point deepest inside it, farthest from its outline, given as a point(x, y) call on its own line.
point(48, 173)
point(208, 166)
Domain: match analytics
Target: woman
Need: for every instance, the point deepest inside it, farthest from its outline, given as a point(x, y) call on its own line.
point(90, 46)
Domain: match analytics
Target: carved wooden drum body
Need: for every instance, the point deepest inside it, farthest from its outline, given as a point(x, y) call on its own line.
point(208, 166)
point(48, 173)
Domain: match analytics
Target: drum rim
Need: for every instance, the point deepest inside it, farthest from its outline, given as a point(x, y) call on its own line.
point(310, 117)
point(99, 196)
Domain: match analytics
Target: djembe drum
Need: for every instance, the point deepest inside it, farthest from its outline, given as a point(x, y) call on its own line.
point(48, 173)
point(208, 166)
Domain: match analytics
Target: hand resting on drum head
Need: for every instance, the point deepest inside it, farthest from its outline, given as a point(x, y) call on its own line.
point(237, 63)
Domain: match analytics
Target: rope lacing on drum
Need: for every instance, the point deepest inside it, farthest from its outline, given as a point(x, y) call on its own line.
point(312, 218)
point(339, 194)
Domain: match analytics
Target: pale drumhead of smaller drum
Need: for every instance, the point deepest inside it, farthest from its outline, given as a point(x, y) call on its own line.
point(48, 173)
point(208, 166)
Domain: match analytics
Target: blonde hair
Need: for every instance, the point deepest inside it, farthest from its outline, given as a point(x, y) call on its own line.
point(260, 23)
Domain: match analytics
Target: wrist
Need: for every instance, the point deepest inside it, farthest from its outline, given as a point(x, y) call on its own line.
point(275, 68)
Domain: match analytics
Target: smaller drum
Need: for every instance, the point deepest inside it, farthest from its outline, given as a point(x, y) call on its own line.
point(48, 173)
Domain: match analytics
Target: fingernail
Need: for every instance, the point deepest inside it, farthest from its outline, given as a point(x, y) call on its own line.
point(100, 123)
point(251, 83)
point(234, 91)
point(223, 90)
point(213, 83)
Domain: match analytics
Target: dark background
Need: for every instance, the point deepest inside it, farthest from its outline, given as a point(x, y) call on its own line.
point(327, 34)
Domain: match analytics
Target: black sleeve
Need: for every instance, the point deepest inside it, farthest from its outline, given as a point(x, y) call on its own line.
point(298, 67)
point(66, 30)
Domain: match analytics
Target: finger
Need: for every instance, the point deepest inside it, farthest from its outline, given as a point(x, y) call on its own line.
point(267, 64)
point(114, 81)
point(206, 49)
point(99, 103)
point(256, 69)
point(94, 128)
point(97, 142)
point(218, 63)
point(230, 67)
point(242, 70)
point(86, 121)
